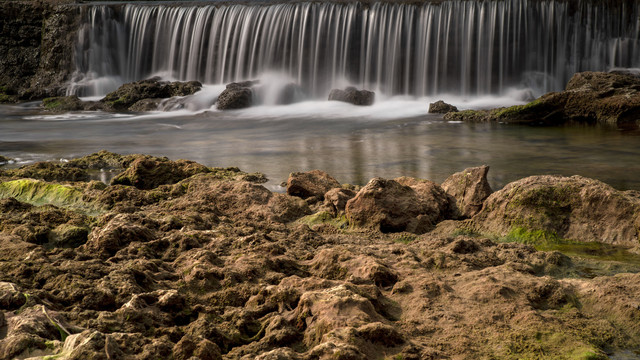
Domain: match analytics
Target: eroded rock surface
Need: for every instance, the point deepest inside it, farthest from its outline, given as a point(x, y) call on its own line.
point(441, 107)
point(470, 188)
point(215, 266)
point(314, 183)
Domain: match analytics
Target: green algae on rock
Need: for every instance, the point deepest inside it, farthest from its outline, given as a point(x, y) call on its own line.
point(36, 192)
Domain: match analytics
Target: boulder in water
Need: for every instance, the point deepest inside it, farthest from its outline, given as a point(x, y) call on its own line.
point(236, 96)
point(353, 96)
point(441, 107)
point(129, 94)
point(590, 97)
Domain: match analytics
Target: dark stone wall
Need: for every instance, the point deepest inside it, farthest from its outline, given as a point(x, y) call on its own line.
point(36, 42)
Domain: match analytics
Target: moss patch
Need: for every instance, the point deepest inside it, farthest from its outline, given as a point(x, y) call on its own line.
point(324, 217)
point(40, 193)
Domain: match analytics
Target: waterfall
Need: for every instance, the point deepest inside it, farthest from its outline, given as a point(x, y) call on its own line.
point(457, 46)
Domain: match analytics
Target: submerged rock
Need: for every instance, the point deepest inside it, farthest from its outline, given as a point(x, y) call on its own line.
point(441, 107)
point(470, 188)
point(236, 96)
point(352, 96)
point(63, 103)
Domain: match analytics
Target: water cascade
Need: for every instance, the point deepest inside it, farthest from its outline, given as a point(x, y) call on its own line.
point(461, 47)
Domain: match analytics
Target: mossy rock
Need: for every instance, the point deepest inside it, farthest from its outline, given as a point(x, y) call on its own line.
point(63, 103)
point(38, 193)
point(324, 217)
point(49, 171)
point(67, 235)
point(5, 160)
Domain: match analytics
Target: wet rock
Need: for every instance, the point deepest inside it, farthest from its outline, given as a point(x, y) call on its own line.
point(441, 107)
point(314, 183)
point(236, 96)
point(63, 103)
point(129, 94)
point(470, 188)
point(5, 160)
point(145, 105)
point(394, 206)
point(38, 193)
point(352, 96)
point(549, 208)
point(148, 172)
point(590, 97)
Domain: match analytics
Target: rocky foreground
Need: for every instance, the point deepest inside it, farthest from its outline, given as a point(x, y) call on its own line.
point(175, 260)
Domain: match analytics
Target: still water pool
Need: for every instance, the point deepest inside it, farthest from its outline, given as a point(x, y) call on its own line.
point(390, 139)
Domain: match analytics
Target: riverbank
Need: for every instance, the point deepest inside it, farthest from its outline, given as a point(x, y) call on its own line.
point(169, 261)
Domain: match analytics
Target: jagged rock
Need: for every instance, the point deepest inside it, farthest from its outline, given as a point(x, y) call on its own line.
point(549, 208)
point(236, 96)
point(353, 96)
point(129, 94)
point(403, 204)
point(67, 235)
point(441, 107)
point(147, 172)
point(314, 183)
point(117, 234)
point(470, 188)
point(190, 346)
point(10, 296)
point(91, 344)
point(336, 199)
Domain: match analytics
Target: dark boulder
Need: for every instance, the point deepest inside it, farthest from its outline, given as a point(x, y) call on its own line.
point(147, 172)
point(441, 107)
point(353, 96)
point(236, 96)
point(129, 94)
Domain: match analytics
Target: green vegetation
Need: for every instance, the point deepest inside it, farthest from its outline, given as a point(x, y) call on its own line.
point(518, 111)
point(324, 217)
point(38, 193)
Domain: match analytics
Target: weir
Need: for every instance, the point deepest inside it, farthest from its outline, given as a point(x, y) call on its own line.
point(419, 49)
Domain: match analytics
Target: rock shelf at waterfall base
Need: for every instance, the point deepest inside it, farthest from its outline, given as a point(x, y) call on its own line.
point(176, 260)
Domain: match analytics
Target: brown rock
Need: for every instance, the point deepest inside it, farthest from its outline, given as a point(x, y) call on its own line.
point(441, 107)
point(147, 172)
point(403, 204)
point(470, 188)
point(190, 346)
point(117, 234)
point(574, 208)
point(311, 183)
point(336, 199)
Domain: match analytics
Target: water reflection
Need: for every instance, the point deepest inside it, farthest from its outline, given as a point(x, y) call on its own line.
point(351, 149)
